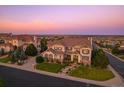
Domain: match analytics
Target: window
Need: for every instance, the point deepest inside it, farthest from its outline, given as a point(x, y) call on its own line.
point(14, 41)
point(77, 49)
point(85, 51)
point(75, 58)
point(55, 56)
point(68, 48)
point(57, 48)
point(60, 48)
point(50, 56)
point(46, 55)
point(86, 58)
point(68, 57)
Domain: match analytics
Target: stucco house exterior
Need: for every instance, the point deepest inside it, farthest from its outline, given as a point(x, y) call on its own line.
point(6, 47)
point(74, 49)
point(121, 46)
point(19, 41)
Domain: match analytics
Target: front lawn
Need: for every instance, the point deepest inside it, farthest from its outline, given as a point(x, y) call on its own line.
point(5, 60)
point(92, 73)
point(50, 67)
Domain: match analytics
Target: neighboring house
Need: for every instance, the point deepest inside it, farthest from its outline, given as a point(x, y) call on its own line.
point(3, 35)
point(6, 47)
point(19, 41)
point(121, 46)
point(73, 49)
point(24, 46)
point(25, 41)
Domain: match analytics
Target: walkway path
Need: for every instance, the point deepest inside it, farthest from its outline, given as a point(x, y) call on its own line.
point(69, 68)
point(29, 65)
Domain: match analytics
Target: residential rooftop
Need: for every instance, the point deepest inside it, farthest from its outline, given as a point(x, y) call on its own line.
point(72, 41)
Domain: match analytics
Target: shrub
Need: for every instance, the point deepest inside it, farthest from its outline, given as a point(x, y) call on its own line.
point(115, 50)
point(13, 59)
point(39, 59)
point(17, 55)
point(2, 51)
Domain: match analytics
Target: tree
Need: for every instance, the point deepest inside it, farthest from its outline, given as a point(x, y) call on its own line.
point(14, 48)
point(43, 44)
point(99, 59)
point(23, 55)
point(115, 50)
point(31, 50)
point(18, 55)
point(2, 41)
point(13, 59)
point(39, 59)
point(2, 51)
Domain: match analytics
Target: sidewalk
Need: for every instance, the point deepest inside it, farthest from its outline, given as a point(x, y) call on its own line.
point(116, 81)
point(114, 56)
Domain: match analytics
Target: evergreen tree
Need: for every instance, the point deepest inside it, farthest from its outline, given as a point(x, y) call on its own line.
point(31, 50)
point(43, 44)
point(2, 52)
point(99, 59)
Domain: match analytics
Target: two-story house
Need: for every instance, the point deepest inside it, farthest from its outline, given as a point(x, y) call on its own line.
point(73, 49)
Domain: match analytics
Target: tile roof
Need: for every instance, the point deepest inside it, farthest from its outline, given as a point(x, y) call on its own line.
point(6, 44)
point(24, 38)
point(54, 51)
point(72, 41)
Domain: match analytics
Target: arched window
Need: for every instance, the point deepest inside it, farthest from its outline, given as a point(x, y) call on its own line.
point(85, 58)
point(46, 55)
point(85, 51)
point(50, 56)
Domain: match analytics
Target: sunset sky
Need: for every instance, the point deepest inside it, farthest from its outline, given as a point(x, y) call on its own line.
point(62, 20)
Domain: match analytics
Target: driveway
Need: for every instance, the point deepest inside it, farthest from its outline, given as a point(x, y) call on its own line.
point(29, 64)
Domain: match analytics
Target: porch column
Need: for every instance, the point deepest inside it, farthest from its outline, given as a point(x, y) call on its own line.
point(71, 57)
point(79, 58)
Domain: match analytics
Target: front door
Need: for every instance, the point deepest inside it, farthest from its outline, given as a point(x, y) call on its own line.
point(75, 58)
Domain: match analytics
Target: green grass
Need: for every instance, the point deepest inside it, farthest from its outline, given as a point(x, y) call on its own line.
point(2, 83)
point(92, 73)
point(120, 56)
point(5, 60)
point(50, 67)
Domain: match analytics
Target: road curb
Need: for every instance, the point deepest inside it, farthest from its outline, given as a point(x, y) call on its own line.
point(114, 56)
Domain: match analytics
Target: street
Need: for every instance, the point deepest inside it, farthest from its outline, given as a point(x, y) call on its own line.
point(20, 78)
point(117, 64)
